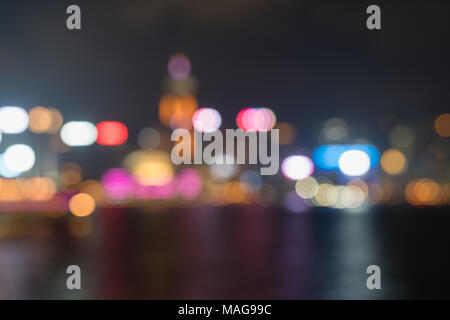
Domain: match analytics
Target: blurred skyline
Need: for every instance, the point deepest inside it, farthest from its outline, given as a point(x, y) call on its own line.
point(297, 56)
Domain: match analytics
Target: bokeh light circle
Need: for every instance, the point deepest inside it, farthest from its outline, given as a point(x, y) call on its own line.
point(179, 67)
point(207, 120)
point(79, 133)
point(354, 163)
point(297, 167)
point(13, 120)
point(82, 205)
point(393, 162)
point(19, 158)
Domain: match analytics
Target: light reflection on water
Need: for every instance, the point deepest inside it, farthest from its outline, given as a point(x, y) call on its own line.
point(201, 253)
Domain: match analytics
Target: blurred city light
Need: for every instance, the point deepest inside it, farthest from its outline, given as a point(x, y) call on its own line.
point(82, 205)
point(40, 120)
point(177, 111)
point(13, 120)
point(6, 172)
point(393, 162)
point(118, 185)
point(179, 67)
point(297, 167)
point(189, 184)
point(354, 163)
point(79, 133)
point(111, 133)
point(326, 157)
point(256, 119)
point(307, 188)
point(19, 158)
point(207, 120)
point(150, 168)
point(442, 125)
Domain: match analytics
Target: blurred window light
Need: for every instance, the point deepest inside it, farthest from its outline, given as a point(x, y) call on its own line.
point(393, 162)
point(179, 67)
point(354, 163)
point(326, 157)
point(19, 158)
point(442, 125)
point(111, 133)
point(297, 167)
point(79, 133)
point(13, 120)
point(207, 120)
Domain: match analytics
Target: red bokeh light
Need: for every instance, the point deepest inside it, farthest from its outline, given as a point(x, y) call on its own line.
point(111, 133)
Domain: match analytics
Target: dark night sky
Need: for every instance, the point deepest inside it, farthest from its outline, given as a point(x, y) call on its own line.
point(308, 60)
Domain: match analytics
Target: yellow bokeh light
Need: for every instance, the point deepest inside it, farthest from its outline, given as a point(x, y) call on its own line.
point(150, 168)
point(327, 195)
point(393, 162)
point(442, 125)
point(352, 196)
point(307, 188)
point(82, 205)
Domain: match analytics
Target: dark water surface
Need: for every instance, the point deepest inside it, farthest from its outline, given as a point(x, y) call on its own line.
point(228, 253)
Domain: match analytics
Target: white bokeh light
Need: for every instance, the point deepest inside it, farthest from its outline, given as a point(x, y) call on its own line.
point(19, 158)
point(13, 120)
point(297, 167)
point(207, 120)
point(5, 172)
point(354, 163)
point(79, 133)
